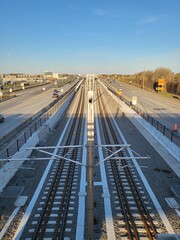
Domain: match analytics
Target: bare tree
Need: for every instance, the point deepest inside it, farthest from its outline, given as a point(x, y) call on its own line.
point(148, 76)
point(165, 73)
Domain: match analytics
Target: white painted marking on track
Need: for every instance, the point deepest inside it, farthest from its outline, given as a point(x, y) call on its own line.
point(97, 183)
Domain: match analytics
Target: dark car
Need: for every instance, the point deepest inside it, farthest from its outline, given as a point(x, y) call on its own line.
point(56, 91)
point(1, 118)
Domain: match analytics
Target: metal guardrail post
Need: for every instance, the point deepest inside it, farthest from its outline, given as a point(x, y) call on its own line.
point(18, 145)
point(172, 134)
point(25, 137)
point(147, 117)
point(7, 150)
point(157, 125)
point(29, 129)
point(164, 129)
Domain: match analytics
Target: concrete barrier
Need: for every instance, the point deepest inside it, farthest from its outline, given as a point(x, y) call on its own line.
point(10, 168)
point(43, 132)
point(54, 119)
point(15, 132)
point(168, 237)
point(167, 149)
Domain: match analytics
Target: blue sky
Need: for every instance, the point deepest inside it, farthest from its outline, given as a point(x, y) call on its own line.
point(89, 36)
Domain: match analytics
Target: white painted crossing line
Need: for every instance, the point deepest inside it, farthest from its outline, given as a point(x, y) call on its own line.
point(97, 183)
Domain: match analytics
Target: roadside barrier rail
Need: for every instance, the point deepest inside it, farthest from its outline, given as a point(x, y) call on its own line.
point(10, 144)
point(171, 134)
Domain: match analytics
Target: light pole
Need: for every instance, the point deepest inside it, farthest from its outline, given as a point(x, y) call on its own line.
point(143, 77)
point(143, 80)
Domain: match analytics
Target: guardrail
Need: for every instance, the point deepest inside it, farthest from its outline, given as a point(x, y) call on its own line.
point(176, 96)
point(171, 134)
point(9, 95)
point(26, 129)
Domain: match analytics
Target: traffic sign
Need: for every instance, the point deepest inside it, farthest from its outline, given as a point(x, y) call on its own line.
point(134, 100)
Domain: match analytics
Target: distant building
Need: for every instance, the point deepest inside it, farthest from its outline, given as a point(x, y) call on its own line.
point(55, 75)
point(48, 75)
point(20, 77)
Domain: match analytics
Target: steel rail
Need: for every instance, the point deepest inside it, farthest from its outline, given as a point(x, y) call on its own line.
point(59, 231)
point(145, 216)
point(120, 191)
point(44, 216)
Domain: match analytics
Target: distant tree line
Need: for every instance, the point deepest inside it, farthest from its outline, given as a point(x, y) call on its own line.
point(149, 79)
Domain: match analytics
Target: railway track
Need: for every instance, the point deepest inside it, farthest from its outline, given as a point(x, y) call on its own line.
point(135, 221)
point(120, 205)
point(51, 219)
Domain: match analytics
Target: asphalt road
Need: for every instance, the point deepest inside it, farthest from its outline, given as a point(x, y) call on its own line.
point(25, 105)
point(166, 110)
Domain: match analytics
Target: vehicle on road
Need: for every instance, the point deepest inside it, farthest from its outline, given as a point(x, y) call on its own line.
point(55, 95)
point(2, 118)
point(56, 91)
point(119, 91)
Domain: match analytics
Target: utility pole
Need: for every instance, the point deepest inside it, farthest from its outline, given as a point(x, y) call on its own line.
point(143, 77)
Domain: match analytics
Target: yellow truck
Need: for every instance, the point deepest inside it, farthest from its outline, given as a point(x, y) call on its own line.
point(161, 85)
